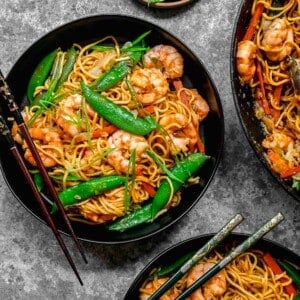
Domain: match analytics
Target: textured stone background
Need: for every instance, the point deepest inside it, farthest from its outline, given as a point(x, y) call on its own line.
point(31, 264)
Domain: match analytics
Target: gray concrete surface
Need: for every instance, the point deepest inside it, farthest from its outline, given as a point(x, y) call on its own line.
point(31, 263)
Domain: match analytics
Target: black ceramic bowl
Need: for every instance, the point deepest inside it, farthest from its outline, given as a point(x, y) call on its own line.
point(125, 28)
point(244, 102)
point(173, 253)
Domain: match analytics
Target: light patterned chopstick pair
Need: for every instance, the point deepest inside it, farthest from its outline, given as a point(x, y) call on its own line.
point(209, 246)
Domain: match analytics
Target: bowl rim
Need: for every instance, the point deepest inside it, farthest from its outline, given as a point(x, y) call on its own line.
point(209, 78)
point(166, 5)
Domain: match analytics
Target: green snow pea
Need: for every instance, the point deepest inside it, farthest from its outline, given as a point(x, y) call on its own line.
point(88, 189)
point(117, 115)
point(183, 170)
point(40, 74)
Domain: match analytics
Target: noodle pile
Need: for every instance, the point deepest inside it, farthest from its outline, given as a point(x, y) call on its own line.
point(76, 144)
point(264, 62)
point(246, 278)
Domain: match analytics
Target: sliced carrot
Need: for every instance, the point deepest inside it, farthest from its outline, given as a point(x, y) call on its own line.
point(149, 188)
point(277, 94)
point(109, 129)
point(253, 22)
point(265, 103)
point(290, 172)
point(146, 110)
point(274, 266)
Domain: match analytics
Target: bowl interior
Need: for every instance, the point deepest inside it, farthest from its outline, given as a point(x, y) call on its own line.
point(124, 28)
point(171, 254)
point(244, 102)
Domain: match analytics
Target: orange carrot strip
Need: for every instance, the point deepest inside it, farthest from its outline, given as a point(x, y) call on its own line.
point(277, 93)
point(290, 172)
point(109, 129)
point(146, 110)
point(265, 103)
point(253, 22)
point(149, 189)
point(274, 266)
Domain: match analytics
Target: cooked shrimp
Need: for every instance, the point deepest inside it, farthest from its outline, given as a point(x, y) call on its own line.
point(278, 40)
point(49, 154)
point(213, 288)
point(277, 162)
point(277, 140)
point(246, 54)
point(181, 131)
point(152, 286)
point(166, 58)
point(69, 114)
point(124, 143)
point(199, 105)
point(149, 84)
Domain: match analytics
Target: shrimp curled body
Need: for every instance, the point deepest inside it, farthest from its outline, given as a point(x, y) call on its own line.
point(166, 58)
point(51, 146)
point(149, 84)
point(278, 40)
point(215, 287)
point(123, 143)
point(246, 53)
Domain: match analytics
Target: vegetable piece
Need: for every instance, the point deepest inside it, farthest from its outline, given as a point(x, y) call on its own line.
point(68, 67)
point(253, 22)
point(291, 271)
point(40, 74)
point(297, 297)
point(167, 270)
point(273, 265)
point(114, 75)
point(47, 99)
point(137, 217)
point(117, 115)
point(38, 181)
point(265, 103)
point(290, 172)
point(183, 170)
point(88, 189)
point(121, 68)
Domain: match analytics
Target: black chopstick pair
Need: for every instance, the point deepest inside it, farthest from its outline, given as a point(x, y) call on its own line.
point(209, 246)
point(7, 96)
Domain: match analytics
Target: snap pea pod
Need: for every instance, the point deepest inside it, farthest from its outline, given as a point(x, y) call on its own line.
point(47, 97)
point(88, 189)
point(117, 115)
point(71, 57)
point(183, 170)
point(121, 68)
point(40, 74)
point(291, 271)
point(38, 181)
point(169, 269)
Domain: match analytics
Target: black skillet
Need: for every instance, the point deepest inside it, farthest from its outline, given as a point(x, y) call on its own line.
point(244, 102)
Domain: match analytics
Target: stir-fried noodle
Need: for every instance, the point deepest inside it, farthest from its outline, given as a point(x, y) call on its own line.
point(77, 144)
